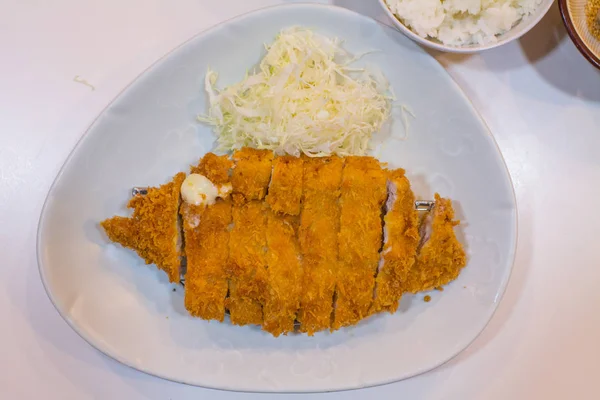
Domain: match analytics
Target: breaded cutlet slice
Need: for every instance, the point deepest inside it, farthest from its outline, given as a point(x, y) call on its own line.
point(247, 263)
point(363, 193)
point(153, 229)
point(285, 190)
point(216, 168)
point(247, 242)
point(206, 235)
point(401, 238)
point(251, 175)
point(318, 236)
point(442, 257)
point(284, 273)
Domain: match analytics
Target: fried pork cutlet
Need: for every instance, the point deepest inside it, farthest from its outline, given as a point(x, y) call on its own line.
point(299, 239)
point(285, 275)
point(216, 168)
point(401, 238)
point(252, 173)
point(153, 230)
point(247, 264)
point(206, 234)
point(442, 257)
point(285, 272)
point(363, 193)
point(319, 226)
point(285, 190)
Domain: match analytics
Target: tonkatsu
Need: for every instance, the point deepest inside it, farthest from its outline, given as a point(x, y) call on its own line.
point(400, 241)
point(153, 229)
point(294, 244)
point(247, 265)
point(206, 238)
point(318, 236)
point(363, 192)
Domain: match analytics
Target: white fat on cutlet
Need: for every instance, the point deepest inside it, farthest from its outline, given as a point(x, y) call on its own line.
point(198, 190)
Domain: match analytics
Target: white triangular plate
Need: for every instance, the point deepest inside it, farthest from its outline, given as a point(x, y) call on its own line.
point(129, 311)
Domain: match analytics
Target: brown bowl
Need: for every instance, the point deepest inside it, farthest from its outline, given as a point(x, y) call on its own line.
point(571, 10)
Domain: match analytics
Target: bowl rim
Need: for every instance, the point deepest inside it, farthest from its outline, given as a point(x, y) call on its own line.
point(575, 38)
point(464, 50)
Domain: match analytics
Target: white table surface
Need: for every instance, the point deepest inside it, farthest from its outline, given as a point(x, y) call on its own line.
point(538, 95)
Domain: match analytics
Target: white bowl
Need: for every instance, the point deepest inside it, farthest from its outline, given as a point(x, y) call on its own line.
point(516, 32)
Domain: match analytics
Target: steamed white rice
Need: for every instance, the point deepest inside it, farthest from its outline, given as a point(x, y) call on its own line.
point(462, 22)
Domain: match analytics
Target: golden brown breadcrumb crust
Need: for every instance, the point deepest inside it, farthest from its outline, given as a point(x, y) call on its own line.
point(207, 250)
point(310, 251)
point(206, 234)
point(285, 190)
point(251, 175)
point(285, 275)
point(442, 257)
point(216, 168)
point(363, 193)
point(247, 264)
point(152, 231)
point(400, 249)
point(319, 225)
point(285, 271)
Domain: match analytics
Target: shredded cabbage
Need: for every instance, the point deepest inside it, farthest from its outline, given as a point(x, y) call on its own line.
point(304, 98)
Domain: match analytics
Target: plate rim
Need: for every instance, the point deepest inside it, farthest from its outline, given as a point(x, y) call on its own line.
point(115, 355)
